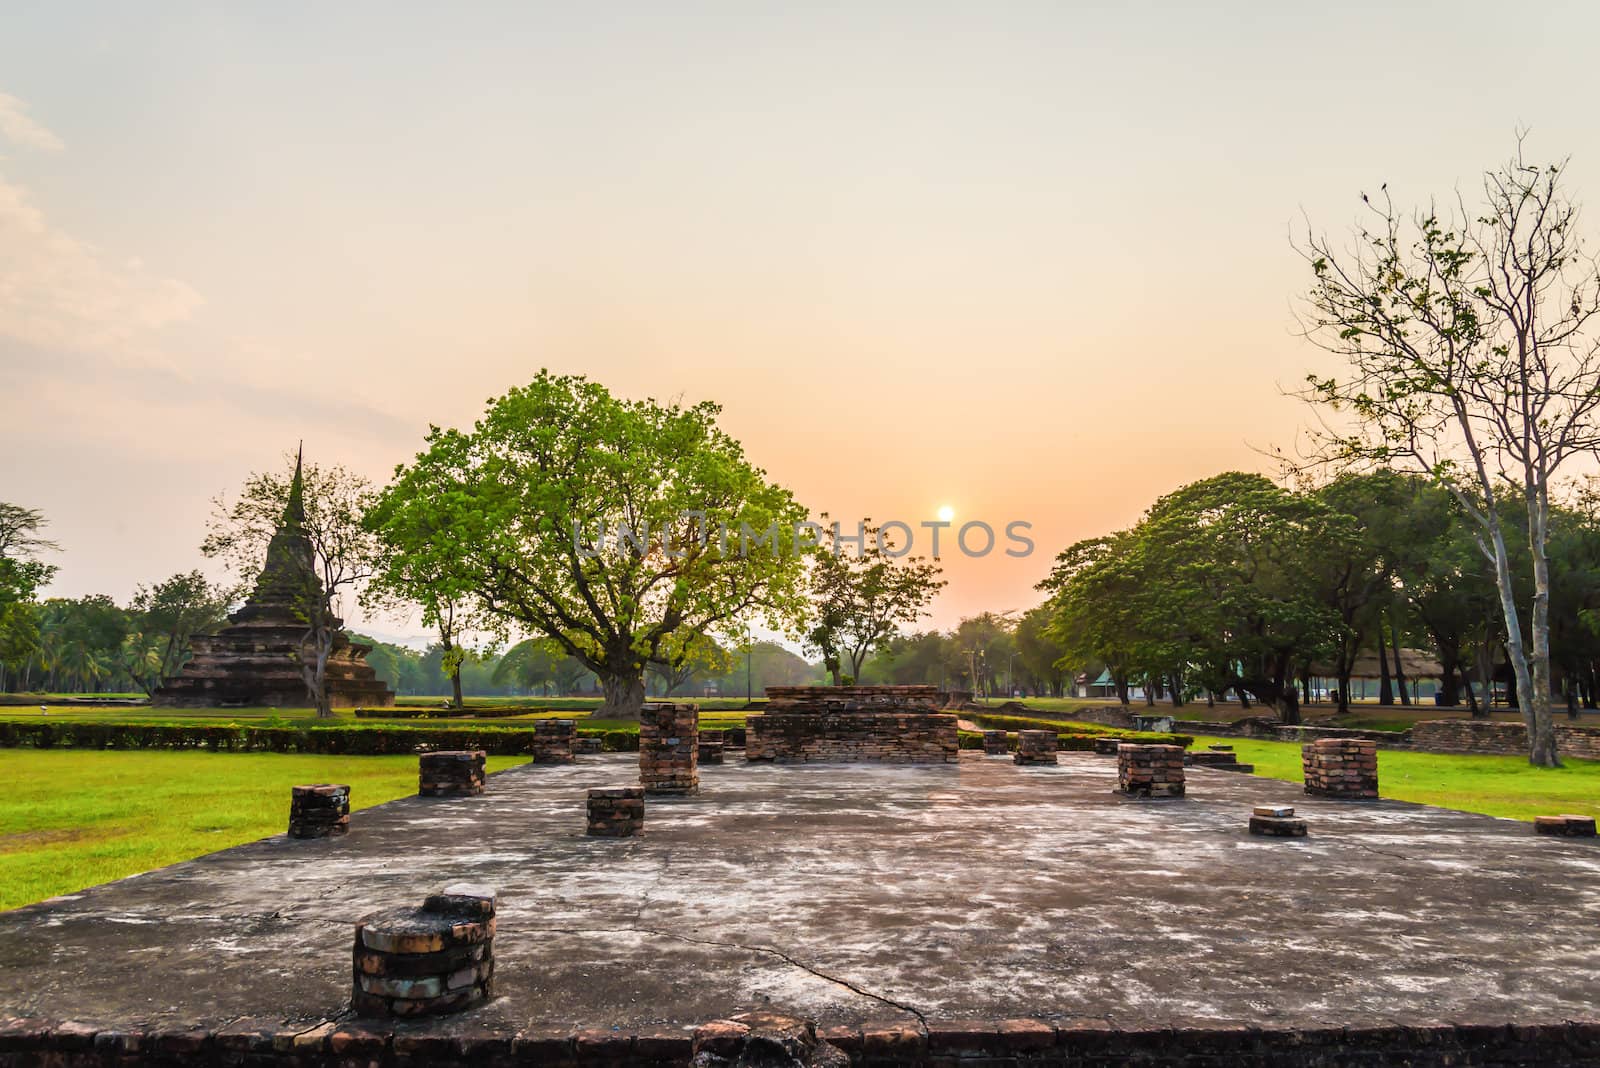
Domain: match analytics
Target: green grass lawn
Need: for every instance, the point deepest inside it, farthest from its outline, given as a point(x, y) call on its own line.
point(1494, 785)
point(74, 818)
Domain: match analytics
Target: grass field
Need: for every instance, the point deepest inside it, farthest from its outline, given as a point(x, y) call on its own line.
point(1495, 785)
point(74, 818)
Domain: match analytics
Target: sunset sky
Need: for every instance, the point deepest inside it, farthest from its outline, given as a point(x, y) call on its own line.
point(1028, 261)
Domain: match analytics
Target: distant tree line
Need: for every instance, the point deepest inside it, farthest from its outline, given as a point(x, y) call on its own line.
point(1235, 584)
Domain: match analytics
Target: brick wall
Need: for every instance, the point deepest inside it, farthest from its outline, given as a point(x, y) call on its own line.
point(990, 1043)
point(1487, 736)
point(853, 737)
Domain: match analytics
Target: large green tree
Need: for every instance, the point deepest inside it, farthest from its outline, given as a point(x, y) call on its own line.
point(620, 529)
point(166, 615)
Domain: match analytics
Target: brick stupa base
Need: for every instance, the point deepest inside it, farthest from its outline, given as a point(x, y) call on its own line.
point(853, 724)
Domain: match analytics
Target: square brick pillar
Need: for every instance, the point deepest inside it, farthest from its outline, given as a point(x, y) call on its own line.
point(1341, 768)
point(1150, 770)
point(668, 748)
point(1036, 747)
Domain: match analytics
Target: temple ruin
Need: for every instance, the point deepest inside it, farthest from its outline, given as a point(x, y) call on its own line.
point(255, 661)
point(850, 724)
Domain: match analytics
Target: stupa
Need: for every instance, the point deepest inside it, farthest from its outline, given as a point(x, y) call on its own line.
point(255, 661)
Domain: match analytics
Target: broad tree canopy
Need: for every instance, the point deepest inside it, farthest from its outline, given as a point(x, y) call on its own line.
point(620, 529)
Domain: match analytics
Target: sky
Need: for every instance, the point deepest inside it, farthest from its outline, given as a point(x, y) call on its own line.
point(1031, 262)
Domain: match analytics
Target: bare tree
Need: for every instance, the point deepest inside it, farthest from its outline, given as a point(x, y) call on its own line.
point(1473, 359)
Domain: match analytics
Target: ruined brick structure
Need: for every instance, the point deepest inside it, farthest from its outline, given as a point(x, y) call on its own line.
point(1481, 736)
point(995, 743)
point(668, 747)
point(1276, 821)
point(319, 811)
point(1036, 747)
point(257, 659)
point(853, 724)
point(552, 741)
point(1150, 770)
point(425, 961)
point(710, 752)
point(451, 774)
point(1566, 826)
point(1342, 768)
point(616, 811)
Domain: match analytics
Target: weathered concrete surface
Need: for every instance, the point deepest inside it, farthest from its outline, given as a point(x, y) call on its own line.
point(862, 891)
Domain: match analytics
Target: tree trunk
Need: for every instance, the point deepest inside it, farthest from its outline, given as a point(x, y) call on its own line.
point(1541, 728)
point(1472, 699)
point(1399, 666)
point(1289, 706)
point(624, 695)
point(1121, 682)
point(1385, 690)
point(1344, 690)
point(1449, 685)
point(456, 700)
point(1535, 710)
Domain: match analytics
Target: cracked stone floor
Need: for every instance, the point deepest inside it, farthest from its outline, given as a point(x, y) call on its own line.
point(852, 892)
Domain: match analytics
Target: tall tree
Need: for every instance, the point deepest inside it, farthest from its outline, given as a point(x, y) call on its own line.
point(308, 520)
point(171, 612)
point(1039, 654)
point(860, 596)
point(614, 527)
point(1473, 358)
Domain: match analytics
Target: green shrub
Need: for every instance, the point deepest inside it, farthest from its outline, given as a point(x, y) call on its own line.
point(341, 739)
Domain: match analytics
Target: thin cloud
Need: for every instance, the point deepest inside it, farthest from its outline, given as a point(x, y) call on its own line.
point(62, 293)
point(18, 127)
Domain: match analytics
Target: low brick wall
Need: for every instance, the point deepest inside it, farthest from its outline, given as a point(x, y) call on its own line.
point(988, 1043)
point(1510, 739)
point(995, 743)
point(853, 737)
point(1105, 715)
point(852, 698)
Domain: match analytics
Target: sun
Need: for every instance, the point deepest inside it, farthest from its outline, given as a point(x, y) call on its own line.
point(946, 513)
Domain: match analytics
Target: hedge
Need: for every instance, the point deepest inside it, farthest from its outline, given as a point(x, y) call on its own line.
point(348, 740)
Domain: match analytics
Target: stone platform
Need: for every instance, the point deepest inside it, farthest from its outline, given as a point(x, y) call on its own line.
point(853, 893)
